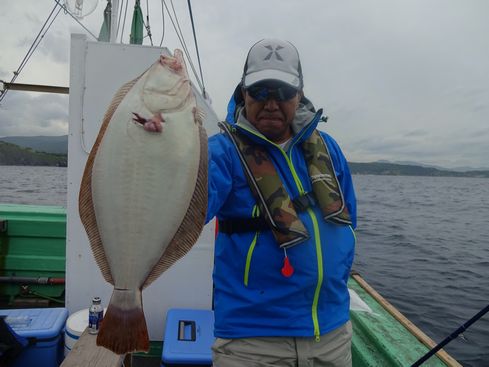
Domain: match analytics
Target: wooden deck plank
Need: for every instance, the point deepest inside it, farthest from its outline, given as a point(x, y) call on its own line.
point(420, 335)
point(86, 353)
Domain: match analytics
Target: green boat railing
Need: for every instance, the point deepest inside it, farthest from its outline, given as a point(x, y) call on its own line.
point(32, 255)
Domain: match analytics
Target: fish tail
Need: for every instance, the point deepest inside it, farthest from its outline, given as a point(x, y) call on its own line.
point(123, 328)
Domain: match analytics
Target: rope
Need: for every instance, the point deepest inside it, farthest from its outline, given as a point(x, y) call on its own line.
point(34, 293)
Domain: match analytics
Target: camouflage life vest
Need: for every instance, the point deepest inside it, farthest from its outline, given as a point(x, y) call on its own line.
point(279, 211)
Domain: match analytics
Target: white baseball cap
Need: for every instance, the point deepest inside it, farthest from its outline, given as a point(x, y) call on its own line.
point(273, 60)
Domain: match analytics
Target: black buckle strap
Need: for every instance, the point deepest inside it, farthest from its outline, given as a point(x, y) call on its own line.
point(240, 225)
point(303, 202)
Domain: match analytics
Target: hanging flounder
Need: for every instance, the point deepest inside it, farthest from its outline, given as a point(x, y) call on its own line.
point(143, 194)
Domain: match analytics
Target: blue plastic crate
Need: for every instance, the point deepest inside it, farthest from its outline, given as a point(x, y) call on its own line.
point(189, 335)
point(43, 327)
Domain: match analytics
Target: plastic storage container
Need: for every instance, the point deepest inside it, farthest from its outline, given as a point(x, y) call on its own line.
point(75, 326)
point(189, 335)
point(43, 327)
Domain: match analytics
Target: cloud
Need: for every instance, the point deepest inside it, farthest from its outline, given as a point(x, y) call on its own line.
point(56, 47)
point(397, 79)
point(30, 114)
point(454, 148)
point(415, 134)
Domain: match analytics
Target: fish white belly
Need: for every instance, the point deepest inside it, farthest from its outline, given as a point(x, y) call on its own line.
point(142, 186)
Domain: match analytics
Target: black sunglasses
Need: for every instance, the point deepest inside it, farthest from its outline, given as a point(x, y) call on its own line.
point(262, 93)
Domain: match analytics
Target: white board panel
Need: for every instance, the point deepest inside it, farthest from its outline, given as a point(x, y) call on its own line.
point(97, 71)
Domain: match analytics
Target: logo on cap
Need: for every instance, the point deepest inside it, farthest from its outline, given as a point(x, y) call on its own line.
point(273, 51)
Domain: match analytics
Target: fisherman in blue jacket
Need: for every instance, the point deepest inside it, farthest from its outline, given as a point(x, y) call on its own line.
point(284, 200)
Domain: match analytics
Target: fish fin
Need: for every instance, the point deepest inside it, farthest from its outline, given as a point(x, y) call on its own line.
point(123, 329)
point(199, 115)
point(85, 203)
point(193, 222)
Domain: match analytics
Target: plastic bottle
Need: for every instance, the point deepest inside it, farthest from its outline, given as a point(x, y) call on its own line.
point(95, 315)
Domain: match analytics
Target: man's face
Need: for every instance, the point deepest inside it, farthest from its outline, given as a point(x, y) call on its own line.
point(271, 109)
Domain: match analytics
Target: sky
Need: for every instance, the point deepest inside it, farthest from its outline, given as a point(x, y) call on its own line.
point(403, 81)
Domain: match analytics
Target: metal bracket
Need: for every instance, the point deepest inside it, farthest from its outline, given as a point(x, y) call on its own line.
point(3, 225)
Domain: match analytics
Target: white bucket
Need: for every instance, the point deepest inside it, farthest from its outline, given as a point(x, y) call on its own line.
point(75, 326)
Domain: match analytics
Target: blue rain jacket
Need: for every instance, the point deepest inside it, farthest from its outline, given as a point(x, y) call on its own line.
point(251, 296)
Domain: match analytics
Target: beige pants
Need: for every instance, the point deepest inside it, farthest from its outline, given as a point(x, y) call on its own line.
point(333, 350)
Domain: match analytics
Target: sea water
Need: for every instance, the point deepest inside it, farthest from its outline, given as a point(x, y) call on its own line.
point(33, 185)
point(423, 243)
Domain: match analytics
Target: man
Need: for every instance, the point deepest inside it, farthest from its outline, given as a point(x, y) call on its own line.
point(284, 199)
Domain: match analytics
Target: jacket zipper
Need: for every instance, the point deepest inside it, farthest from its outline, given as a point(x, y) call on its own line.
point(317, 239)
point(320, 274)
point(254, 214)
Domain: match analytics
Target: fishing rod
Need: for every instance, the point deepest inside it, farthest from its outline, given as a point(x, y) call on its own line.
point(452, 336)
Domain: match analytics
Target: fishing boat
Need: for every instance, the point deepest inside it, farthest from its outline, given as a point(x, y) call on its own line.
point(45, 259)
point(33, 257)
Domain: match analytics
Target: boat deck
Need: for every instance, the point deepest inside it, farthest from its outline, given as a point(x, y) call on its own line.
point(32, 240)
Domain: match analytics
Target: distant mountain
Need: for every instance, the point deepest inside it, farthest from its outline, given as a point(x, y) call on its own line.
point(392, 169)
point(14, 155)
point(48, 144)
point(458, 169)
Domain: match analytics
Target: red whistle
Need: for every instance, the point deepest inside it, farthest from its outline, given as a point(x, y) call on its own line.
point(287, 269)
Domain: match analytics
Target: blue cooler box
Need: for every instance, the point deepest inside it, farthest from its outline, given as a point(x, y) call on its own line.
point(43, 327)
point(189, 335)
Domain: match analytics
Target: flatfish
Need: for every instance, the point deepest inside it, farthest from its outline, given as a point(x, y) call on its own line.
point(143, 195)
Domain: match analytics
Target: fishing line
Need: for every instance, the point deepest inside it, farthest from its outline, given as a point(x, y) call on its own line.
point(39, 41)
point(33, 44)
point(33, 47)
point(200, 81)
point(71, 15)
point(119, 19)
point(163, 21)
point(124, 22)
point(179, 29)
point(196, 47)
point(184, 48)
point(148, 28)
point(184, 44)
point(452, 336)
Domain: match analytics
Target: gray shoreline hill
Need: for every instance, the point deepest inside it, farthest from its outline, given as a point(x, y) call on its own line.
point(395, 169)
point(48, 144)
point(34, 151)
